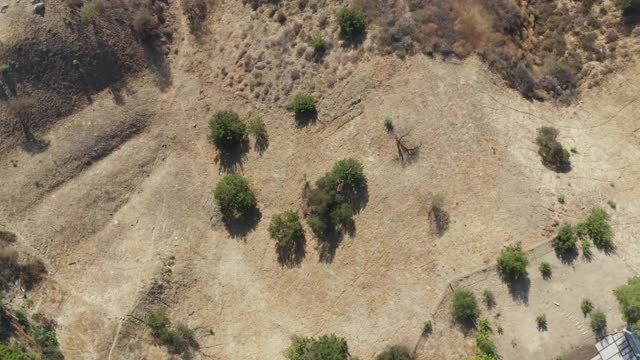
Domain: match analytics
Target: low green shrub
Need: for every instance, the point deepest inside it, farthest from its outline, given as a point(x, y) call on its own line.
point(395, 353)
point(598, 321)
point(541, 322)
point(545, 269)
point(234, 197)
point(325, 347)
point(586, 248)
point(565, 241)
point(484, 343)
point(227, 130)
point(488, 298)
point(303, 104)
point(318, 43)
point(552, 153)
point(427, 328)
point(597, 228)
point(388, 123)
point(351, 21)
point(512, 262)
point(484, 325)
point(586, 306)
point(349, 174)
point(286, 230)
point(178, 340)
point(465, 306)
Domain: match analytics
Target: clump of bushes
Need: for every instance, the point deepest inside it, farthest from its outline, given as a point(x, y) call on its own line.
point(597, 229)
point(565, 241)
point(178, 339)
point(321, 348)
point(227, 130)
point(545, 269)
point(395, 353)
point(629, 299)
point(351, 21)
point(586, 306)
point(328, 203)
point(304, 104)
point(512, 262)
point(465, 306)
point(598, 321)
point(553, 154)
point(541, 322)
point(636, 327)
point(234, 197)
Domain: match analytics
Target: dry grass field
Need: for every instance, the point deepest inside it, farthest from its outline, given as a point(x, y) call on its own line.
point(119, 203)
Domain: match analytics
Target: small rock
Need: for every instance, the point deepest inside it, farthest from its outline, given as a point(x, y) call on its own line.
point(39, 9)
point(3, 8)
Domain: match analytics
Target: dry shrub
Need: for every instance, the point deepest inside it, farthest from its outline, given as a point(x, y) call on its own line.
point(438, 215)
point(11, 270)
point(196, 13)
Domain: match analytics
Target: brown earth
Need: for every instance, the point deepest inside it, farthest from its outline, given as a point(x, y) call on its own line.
point(119, 205)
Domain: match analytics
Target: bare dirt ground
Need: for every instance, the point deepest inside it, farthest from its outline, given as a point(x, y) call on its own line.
point(119, 208)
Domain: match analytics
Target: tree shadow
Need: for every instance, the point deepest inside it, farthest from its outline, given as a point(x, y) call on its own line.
point(519, 289)
point(154, 54)
point(305, 119)
point(239, 228)
point(354, 40)
point(10, 82)
point(562, 169)
point(542, 327)
point(230, 159)
point(608, 250)
point(261, 144)
point(292, 257)
point(631, 17)
point(328, 244)
point(358, 198)
point(567, 257)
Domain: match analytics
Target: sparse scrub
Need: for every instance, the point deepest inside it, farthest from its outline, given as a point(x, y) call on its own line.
point(395, 353)
point(565, 241)
point(586, 248)
point(258, 128)
point(512, 262)
point(485, 343)
point(304, 104)
point(227, 131)
point(586, 306)
point(465, 306)
point(553, 154)
point(178, 340)
point(545, 269)
point(351, 21)
point(541, 322)
point(598, 321)
point(488, 298)
point(597, 229)
point(234, 197)
point(629, 299)
point(322, 348)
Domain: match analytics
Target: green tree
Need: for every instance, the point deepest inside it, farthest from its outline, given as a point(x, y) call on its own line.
point(227, 130)
point(234, 197)
point(512, 262)
point(629, 299)
point(286, 229)
point(351, 21)
point(465, 305)
point(565, 241)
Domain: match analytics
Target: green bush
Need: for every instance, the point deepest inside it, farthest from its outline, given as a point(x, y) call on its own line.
point(484, 325)
point(395, 353)
point(512, 262)
point(597, 229)
point(178, 340)
point(565, 241)
point(586, 306)
point(227, 130)
point(541, 322)
point(286, 230)
point(488, 298)
point(552, 153)
point(484, 343)
point(427, 328)
point(465, 306)
point(326, 347)
point(598, 321)
point(388, 123)
point(545, 269)
point(318, 43)
point(586, 248)
point(629, 299)
point(351, 21)
point(234, 197)
point(303, 104)
point(258, 128)
point(349, 173)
